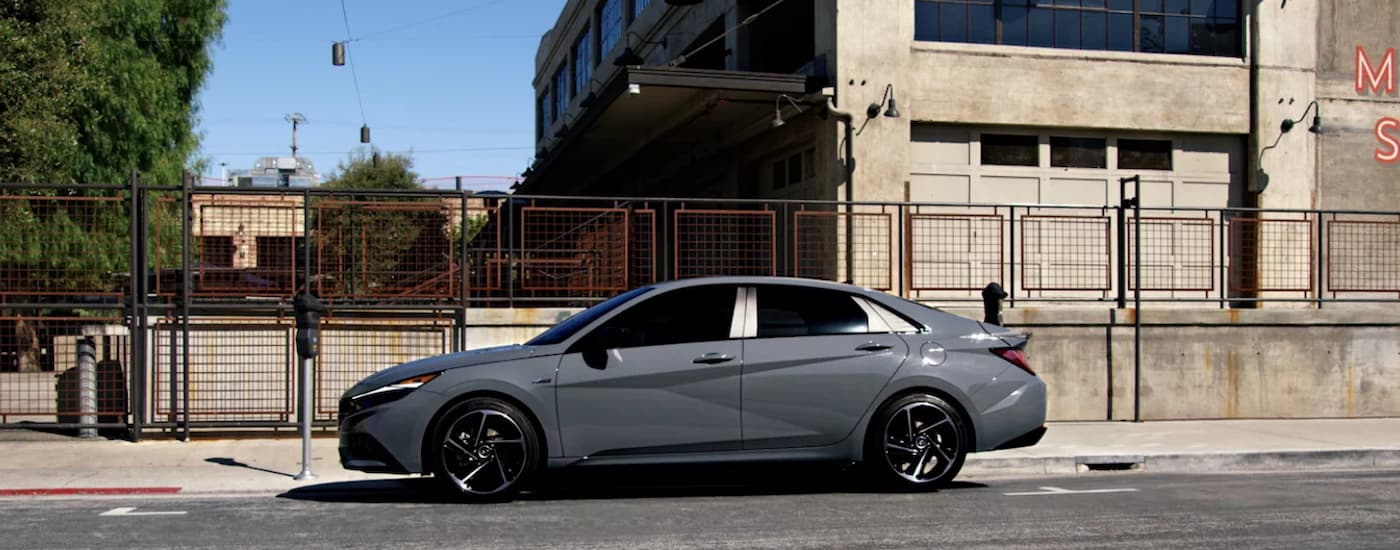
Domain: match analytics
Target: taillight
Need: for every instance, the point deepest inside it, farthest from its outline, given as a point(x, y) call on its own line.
point(1015, 357)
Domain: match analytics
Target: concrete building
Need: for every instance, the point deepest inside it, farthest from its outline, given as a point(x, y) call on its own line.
point(277, 172)
point(998, 100)
point(1214, 103)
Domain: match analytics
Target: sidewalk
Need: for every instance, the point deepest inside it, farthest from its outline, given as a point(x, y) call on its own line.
point(54, 466)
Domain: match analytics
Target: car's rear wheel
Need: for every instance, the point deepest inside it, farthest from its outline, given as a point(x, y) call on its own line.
point(485, 449)
point(918, 441)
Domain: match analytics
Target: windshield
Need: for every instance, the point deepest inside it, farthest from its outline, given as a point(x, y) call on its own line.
point(568, 327)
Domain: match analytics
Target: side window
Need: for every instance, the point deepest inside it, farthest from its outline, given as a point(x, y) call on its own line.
point(698, 314)
point(785, 312)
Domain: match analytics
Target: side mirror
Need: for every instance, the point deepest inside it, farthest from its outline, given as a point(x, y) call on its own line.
point(596, 345)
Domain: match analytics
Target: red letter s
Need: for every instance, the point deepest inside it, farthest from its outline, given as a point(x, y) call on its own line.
point(1387, 141)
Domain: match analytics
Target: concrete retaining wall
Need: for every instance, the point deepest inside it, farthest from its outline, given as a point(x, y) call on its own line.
point(1210, 364)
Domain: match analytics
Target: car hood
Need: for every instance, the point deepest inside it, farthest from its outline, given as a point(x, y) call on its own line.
point(440, 363)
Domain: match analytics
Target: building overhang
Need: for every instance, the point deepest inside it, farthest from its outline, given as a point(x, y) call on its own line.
point(650, 112)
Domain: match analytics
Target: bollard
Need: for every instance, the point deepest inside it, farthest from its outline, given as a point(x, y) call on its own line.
point(87, 388)
point(991, 304)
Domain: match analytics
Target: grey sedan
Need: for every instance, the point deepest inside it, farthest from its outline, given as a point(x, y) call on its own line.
point(707, 370)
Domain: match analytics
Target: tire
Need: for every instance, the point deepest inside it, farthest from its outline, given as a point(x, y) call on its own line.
point(924, 456)
point(485, 449)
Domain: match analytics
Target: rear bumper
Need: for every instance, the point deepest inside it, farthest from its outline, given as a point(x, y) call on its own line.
point(1024, 440)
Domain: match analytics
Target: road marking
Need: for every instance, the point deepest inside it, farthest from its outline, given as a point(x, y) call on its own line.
point(131, 511)
point(1060, 491)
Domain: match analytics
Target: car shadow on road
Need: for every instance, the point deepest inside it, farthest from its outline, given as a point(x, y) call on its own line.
point(632, 482)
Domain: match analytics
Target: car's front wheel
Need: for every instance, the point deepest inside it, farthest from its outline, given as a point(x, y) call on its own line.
point(918, 441)
point(485, 449)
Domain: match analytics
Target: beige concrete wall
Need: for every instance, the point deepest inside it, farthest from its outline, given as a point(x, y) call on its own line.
point(1208, 364)
point(1351, 178)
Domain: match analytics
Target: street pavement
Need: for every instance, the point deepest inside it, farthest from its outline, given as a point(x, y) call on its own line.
point(36, 463)
point(794, 508)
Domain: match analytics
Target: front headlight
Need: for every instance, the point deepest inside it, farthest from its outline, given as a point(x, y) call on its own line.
point(388, 393)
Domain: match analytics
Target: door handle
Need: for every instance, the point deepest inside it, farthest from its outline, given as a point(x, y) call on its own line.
point(713, 358)
point(872, 346)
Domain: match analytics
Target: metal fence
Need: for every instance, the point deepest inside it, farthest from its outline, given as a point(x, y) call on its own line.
point(183, 293)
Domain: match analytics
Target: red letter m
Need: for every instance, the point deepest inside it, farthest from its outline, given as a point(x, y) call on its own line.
point(1366, 76)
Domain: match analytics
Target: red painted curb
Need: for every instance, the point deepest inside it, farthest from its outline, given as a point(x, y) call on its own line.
point(88, 491)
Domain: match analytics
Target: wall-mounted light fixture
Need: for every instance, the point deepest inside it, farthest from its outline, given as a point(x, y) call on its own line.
point(629, 56)
point(886, 103)
point(778, 109)
point(1316, 127)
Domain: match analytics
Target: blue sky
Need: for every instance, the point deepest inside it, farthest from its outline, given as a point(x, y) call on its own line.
point(449, 79)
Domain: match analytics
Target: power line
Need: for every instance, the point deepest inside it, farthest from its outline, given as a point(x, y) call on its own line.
point(427, 20)
point(750, 19)
point(350, 60)
point(414, 151)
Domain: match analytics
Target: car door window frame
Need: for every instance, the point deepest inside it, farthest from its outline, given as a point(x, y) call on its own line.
point(740, 300)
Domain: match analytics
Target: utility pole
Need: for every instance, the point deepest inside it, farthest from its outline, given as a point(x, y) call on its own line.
point(296, 119)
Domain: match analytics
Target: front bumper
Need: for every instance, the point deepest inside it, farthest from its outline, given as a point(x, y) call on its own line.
point(387, 438)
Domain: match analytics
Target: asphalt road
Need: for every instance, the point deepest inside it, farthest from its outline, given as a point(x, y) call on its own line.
point(764, 509)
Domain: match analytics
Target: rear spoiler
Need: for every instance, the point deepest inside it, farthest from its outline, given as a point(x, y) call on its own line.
point(1012, 338)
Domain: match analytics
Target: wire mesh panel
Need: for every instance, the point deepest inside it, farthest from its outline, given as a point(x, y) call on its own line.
point(392, 249)
point(1177, 254)
point(247, 246)
point(819, 247)
point(955, 251)
point(63, 246)
point(574, 249)
point(724, 242)
point(642, 248)
point(483, 249)
point(1284, 252)
point(41, 369)
point(1363, 256)
point(352, 350)
point(238, 371)
point(1065, 253)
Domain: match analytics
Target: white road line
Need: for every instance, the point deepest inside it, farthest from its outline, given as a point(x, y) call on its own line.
point(1059, 491)
point(130, 511)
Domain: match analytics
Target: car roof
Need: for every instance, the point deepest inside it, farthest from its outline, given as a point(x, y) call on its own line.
point(787, 281)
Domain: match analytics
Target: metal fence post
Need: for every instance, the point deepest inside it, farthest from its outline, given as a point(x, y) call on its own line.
point(137, 329)
point(1317, 216)
point(1011, 274)
point(459, 341)
point(87, 387)
point(187, 255)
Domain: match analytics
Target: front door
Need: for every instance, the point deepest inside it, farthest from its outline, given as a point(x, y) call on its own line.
point(815, 364)
point(661, 376)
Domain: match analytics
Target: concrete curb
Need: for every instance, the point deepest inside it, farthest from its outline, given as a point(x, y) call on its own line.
point(1266, 461)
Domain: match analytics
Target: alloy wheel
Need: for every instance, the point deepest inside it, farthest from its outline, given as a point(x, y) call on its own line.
point(484, 452)
point(921, 442)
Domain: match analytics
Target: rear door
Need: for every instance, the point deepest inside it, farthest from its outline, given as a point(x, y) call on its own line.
point(815, 361)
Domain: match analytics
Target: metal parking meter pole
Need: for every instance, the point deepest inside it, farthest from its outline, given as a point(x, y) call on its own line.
point(308, 311)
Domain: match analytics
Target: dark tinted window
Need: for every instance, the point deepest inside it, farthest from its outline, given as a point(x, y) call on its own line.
point(1078, 152)
point(796, 311)
point(1006, 150)
point(1144, 154)
point(564, 330)
point(698, 314)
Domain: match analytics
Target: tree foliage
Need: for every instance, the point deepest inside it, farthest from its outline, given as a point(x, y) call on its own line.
point(92, 89)
point(372, 169)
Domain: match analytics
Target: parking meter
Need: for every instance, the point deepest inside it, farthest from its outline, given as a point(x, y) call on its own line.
point(991, 303)
point(308, 311)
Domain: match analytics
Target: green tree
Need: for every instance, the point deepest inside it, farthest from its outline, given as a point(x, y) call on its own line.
point(372, 169)
point(90, 90)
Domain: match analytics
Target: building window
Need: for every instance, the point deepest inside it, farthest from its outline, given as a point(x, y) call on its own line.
point(561, 91)
point(217, 251)
point(1078, 152)
point(1010, 150)
point(542, 115)
point(793, 169)
point(1197, 27)
point(1144, 154)
point(609, 25)
point(638, 6)
point(584, 59)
